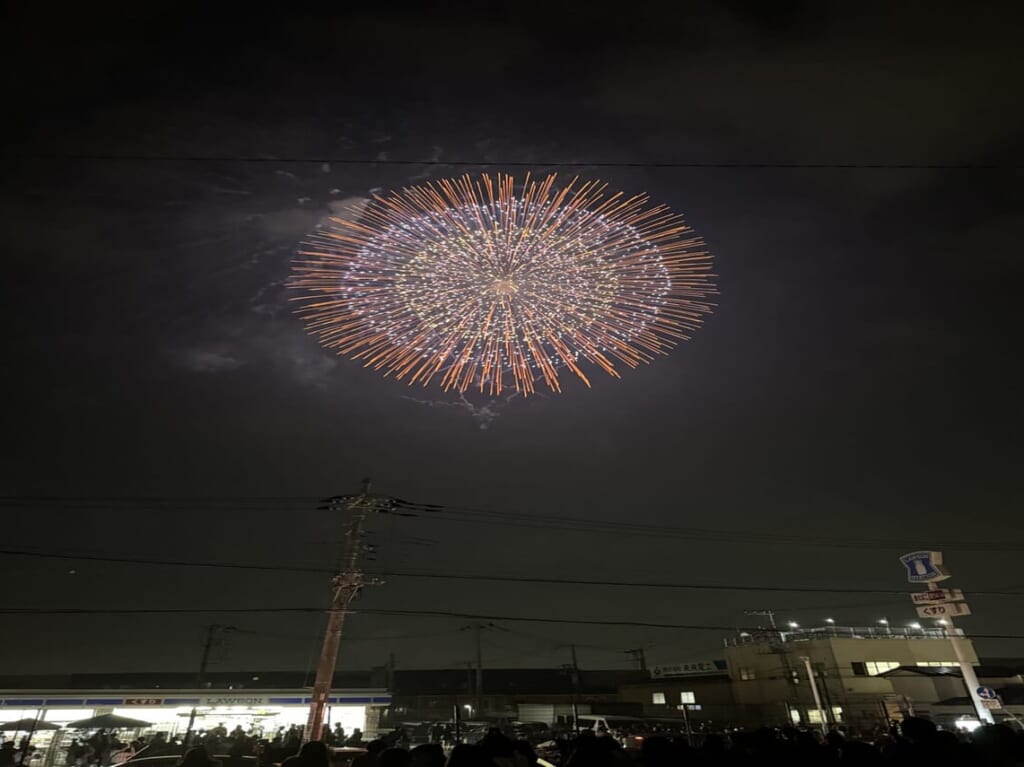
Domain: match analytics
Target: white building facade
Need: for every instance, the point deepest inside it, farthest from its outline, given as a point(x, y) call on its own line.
point(769, 671)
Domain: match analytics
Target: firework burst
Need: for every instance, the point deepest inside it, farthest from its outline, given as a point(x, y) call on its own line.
point(488, 284)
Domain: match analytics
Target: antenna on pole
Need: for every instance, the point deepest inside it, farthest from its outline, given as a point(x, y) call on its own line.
point(770, 614)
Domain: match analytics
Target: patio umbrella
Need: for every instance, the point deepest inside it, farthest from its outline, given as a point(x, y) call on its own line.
point(107, 722)
point(27, 725)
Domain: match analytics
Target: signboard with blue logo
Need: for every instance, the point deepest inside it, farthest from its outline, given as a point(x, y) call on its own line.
point(924, 566)
point(987, 693)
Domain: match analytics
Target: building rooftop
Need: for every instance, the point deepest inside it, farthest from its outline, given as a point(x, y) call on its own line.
point(515, 681)
point(170, 680)
point(798, 634)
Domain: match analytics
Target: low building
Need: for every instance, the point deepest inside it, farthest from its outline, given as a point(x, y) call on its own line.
point(769, 673)
point(263, 701)
point(703, 687)
point(939, 693)
point(542, 695)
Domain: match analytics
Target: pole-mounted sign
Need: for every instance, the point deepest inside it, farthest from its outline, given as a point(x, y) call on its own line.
point(924, 566)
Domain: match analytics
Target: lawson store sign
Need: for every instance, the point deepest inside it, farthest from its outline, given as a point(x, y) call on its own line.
point(102, 700)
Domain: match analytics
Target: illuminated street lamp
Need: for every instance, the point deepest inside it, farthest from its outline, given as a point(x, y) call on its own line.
point(830, 621)
point(794, 625)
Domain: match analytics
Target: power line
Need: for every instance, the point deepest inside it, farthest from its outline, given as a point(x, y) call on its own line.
point(218, 499)
point(300, 638)
point(484, 577)
point(517, 520)
point(32, 611)
point(546, 163)
point(658, 530)
point(714, 536)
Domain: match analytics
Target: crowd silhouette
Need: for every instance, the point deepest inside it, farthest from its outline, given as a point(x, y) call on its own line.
point(914, 741)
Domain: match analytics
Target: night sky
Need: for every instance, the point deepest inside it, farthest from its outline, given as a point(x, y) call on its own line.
point(858, 386)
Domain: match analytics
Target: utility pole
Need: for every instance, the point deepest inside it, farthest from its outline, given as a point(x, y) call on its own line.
point(470, 682)
point(814, 690)
point(478, 685)
point(457, 720)
point(389, 677)
point(575, 691)
point(967, 671)
point(212, 639)
point(686, 723)
point(345, 587)
point(639, 657)
point(479, 673)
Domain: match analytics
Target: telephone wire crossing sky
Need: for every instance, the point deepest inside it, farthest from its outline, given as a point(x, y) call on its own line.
point(488, 284)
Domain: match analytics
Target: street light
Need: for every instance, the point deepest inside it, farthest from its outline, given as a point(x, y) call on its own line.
point(794, 625)
point(914, 625)
point(830, 621)
point(884, 621)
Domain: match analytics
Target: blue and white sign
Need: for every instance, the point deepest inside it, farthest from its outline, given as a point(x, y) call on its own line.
point(924, 566)
point(987, 693)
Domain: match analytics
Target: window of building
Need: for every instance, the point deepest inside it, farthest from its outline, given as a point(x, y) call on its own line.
point(936, 663)
point(794, 716)
point(873, 667)
point(876, 667)
point(746, 674)
point(837, 713)
point(658, 698)
point(814, 716)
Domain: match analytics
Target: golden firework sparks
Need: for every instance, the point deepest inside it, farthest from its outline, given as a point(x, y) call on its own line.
point(485, 283)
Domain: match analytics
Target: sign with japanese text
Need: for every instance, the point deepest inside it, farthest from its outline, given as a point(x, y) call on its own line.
point(951, 610)
point(937, 596)
point(696, 668)
point(231, 700)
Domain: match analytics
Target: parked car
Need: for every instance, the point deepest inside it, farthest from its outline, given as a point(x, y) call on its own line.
point(342, 756)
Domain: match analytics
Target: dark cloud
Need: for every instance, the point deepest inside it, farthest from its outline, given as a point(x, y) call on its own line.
point(210, 361)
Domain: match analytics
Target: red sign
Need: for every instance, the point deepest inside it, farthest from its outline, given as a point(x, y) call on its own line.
point(937, 596)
